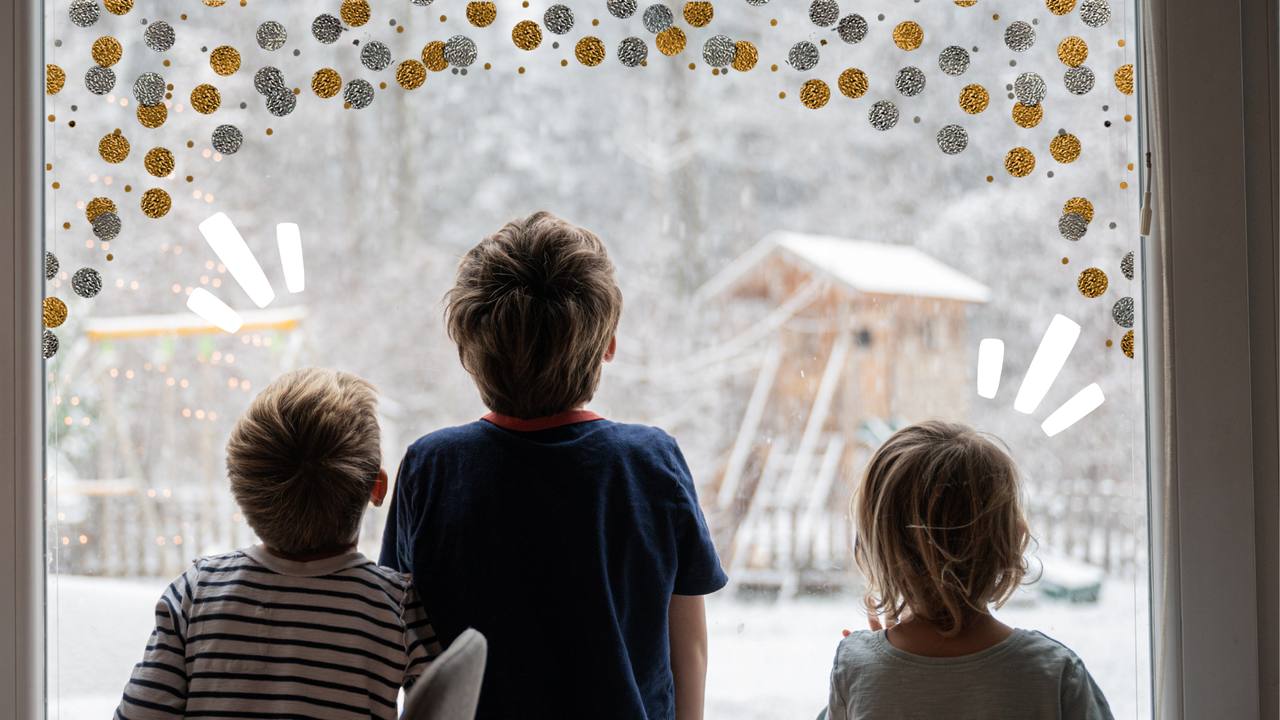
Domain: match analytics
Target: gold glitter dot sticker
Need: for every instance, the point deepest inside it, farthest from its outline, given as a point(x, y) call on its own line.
point(156, 203)
point(481, 14)
point(1027, 117)
point(1020, 162)
point(908, 35)
point(113, 148)
point(433, 56)
point(224, 60)
point(54, 79)
point(1126, 344)
point(745, 57)
point(1065, 148)
point(159, 162)
point(590, 51)
point(96, 207)
point(1092, 283)
point(526, 35)
point(966, 3)
point(698, 13)
point(814, 94)
point(355, 12)
point(1080, 206)
point(1124, 79)
point(205, 99)
point(106, 51)
point(326, 83)
point(853, 83)
point(411, 74)
point(671, 41)
point(54, 312)
point(974, 99)
point(211, 3)
point(118, 7)
point(1060, 7)
point(1073, 51)
point(154, 116)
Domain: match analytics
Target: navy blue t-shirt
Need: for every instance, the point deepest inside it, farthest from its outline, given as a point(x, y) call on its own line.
point(563, 544)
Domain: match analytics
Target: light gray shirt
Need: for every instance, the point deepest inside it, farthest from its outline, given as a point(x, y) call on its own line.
point(1027, 676)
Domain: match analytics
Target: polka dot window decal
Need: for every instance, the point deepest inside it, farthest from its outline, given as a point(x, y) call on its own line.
point(908, 35)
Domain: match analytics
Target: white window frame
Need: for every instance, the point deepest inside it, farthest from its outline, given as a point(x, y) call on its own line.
point(1213, 364)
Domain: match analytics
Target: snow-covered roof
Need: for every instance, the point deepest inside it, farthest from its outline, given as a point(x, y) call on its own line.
point(116, 328)
point(860, 265)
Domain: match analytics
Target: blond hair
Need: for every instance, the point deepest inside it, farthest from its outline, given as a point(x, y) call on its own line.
point(304, 458)
point(940, 530)
point(532, 311)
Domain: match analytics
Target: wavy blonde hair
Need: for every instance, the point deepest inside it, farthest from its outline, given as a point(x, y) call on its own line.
point(939, 526)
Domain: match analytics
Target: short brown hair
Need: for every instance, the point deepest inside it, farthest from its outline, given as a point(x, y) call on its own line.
point(940, 530)
point(532, 312)
point(303, 460)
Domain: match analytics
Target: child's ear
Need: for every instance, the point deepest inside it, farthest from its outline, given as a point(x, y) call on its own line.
point(380, 488)
point(612, 350)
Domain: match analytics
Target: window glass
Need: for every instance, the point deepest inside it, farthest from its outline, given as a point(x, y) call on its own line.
point(829, 221)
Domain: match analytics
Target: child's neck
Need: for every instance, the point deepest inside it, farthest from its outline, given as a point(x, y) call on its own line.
point(920, 637)
point(307, 558)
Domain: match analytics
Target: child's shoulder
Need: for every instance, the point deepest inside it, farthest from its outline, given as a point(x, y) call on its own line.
point(623, 436)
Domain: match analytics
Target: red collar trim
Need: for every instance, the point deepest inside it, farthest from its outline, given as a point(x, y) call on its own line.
point(568, 417)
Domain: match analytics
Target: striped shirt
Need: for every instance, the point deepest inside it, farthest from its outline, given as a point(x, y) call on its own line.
point(251, 635)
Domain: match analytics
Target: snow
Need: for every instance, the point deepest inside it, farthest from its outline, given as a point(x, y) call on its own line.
point(768, 660)
point(863, 266)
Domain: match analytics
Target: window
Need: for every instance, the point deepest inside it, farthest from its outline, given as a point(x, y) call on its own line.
point(812, 257)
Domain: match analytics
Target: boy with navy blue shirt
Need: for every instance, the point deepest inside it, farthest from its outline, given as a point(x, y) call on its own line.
point(575, 544)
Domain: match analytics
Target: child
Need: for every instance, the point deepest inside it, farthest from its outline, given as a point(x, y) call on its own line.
point(575, 544)
point(302, 625)
point(940, 537)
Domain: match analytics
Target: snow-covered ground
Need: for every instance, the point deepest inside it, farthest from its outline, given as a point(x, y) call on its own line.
point(769, 660)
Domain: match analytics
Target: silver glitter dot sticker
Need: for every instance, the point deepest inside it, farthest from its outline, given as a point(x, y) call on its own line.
point(1122, 312)
point(1030, 89)
point(106, 226)
point(824, 13)
point(657, 18)
point(159, 36)
point(268, 80)
point(910, 81)
point(422, 3)
point(757, 3)
point(375, 56)
point(227, 139)
point(100, 80)
point(1079, 80)
point(271, 36)
point(953, 139)
point(803, 56)
point(459, 51)
point(149, 89)
point(953, 61)
point(1126, 265)
point(622, 9)
point(1019, 36)
point(281, 102)
point(50, 265)
point(883, 115)
point(632, 51)
point(719, 51)
point(852, 28)
point(1073, 226)
point(84, 13)
point(1095, 13)
point(359, 93)
point(559, 18)
point(49, 344)
point(86, 282)
point(326, 28)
